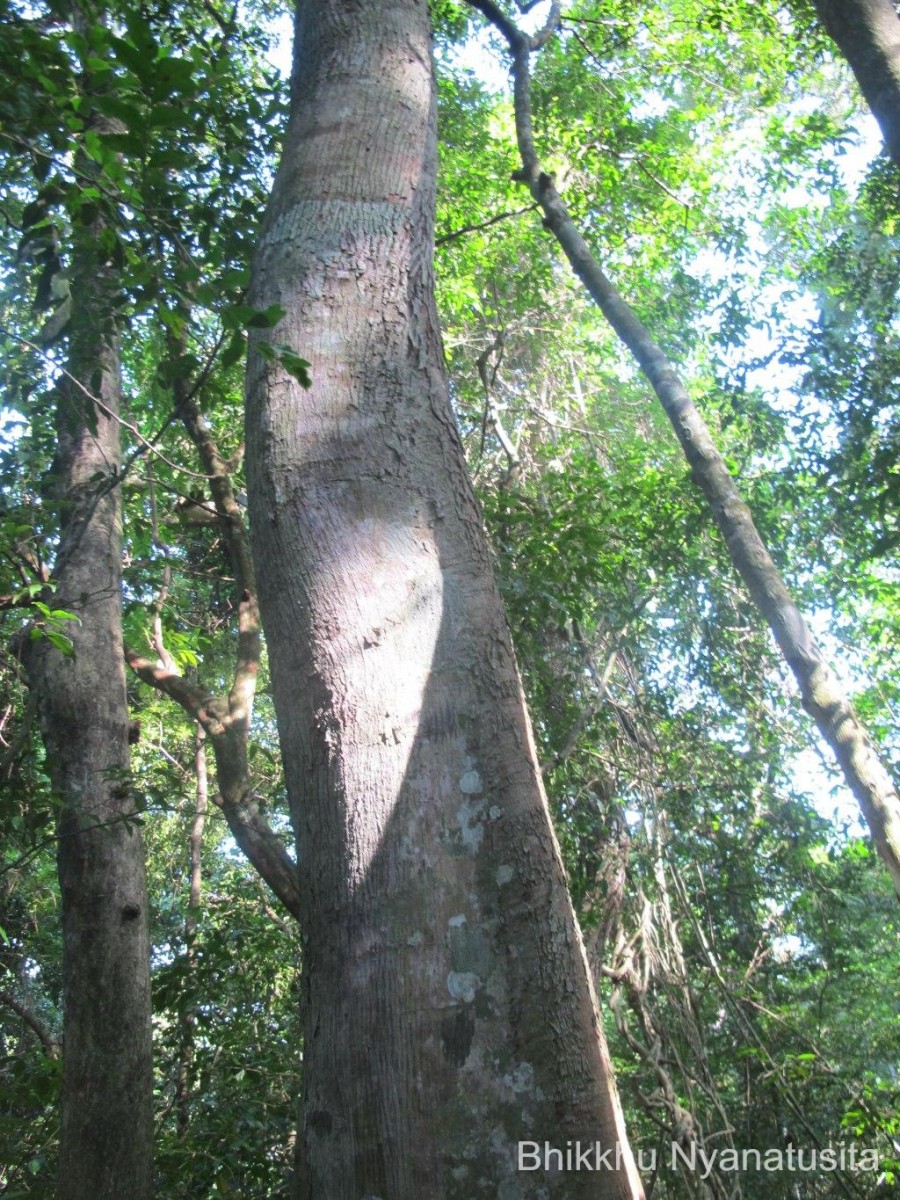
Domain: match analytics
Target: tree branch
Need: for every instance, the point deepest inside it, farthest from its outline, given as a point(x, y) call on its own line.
point(145, 443)
point(47, 1039)
point(823, 699)
point(226, 719)
point(192, 699)
point(464, 229)
point(247, 823)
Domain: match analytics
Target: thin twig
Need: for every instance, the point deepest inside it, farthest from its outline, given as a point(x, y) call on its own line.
point(464, 229)
point(132, 429)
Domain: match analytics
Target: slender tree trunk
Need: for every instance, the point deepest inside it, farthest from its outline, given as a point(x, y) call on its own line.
point(823, 698)
point(107, 1087)
point(867, 33)
point(189, 1018)
point(449, 1013)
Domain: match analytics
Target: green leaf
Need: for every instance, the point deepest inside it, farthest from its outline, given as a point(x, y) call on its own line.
point(61, 642)
point(266, 318)
point(235, 349)
point(237, 316)
point(29, 592)
point(294, 365)
point(244, 316)
point(61, 614)
point(288, 358)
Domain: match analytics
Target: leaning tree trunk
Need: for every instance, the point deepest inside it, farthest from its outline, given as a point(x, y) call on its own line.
point(867, 33)
point(822, 696)
point(106, 1140)
point(449, 1013)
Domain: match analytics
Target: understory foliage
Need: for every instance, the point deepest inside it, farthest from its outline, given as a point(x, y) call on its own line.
point(719, 161)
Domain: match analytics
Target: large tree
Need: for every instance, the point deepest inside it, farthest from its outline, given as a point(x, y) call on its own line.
point(448, 1008)
point(739, 936)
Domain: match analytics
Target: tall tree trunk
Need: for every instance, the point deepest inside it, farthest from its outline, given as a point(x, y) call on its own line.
point(107, 1087)
point(449, 1013)
point(823, 698)
point(867, 33)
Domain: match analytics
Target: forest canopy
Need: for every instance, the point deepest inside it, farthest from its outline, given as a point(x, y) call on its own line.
point(716, 165)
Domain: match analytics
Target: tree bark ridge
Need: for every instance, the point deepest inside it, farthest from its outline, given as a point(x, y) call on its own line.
point(448, 1008)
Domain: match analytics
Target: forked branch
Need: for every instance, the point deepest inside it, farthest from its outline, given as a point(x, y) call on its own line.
point(226, 719)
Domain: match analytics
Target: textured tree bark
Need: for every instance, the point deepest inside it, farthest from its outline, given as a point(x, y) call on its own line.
point(106, 1140)
point(823, 698)
point(867, 33)
point(449, 1012)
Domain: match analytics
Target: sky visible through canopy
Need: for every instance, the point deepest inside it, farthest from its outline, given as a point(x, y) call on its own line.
point(479, 56)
